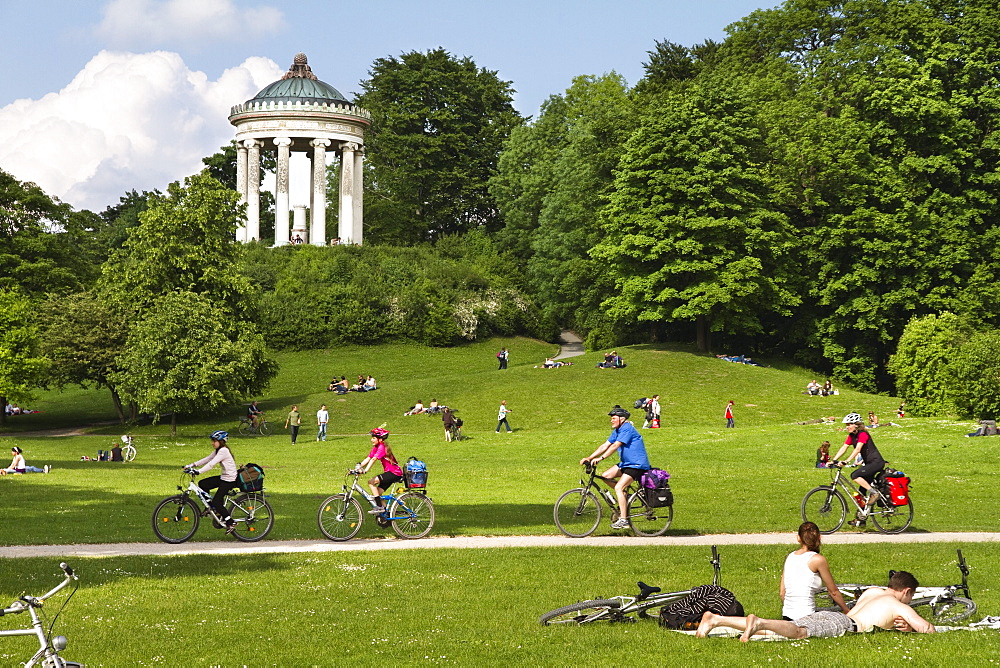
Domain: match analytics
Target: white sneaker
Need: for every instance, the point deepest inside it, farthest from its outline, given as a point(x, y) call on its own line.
point(47, 468)
point(620, 524)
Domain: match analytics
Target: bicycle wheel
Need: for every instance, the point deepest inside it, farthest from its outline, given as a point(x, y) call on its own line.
point(825, 507)
point(577, 513)
point(175, 519)
point(244, 427)
point(264, 428)
point(413, 515)
point(253, 515)
point(894, 519)
point(128, 452)
point(583, 612)
point(945, 612)
point(340, 518)
point(647, 521)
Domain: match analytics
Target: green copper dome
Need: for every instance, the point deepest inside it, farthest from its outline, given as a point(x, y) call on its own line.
point(299, 85)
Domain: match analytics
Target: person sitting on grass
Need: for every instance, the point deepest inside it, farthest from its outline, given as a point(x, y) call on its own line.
point(434, 407)
point(887, 609)
point(391, 472)
point(18, 465)
point(823, 455)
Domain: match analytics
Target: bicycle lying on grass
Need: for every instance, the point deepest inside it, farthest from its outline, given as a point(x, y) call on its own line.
point(578, 511)
point(246, 426)
point(49, 647)
point(410, 514)
point(618, 608)
point(827, 505)
point(176, 518)
point(939, 605)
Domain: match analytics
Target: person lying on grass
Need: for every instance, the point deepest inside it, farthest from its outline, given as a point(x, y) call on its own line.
point(883, 608)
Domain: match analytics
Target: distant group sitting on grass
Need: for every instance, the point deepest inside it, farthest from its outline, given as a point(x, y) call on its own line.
point(430, 409)
point(739, 359)
point(814, 389)
point(14, 409)
point(612, 361)
point(339, 386)
point(364, 384)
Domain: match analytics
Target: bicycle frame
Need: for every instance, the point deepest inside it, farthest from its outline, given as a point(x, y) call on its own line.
point(607, 491)
point(387, 498)
point(47, 649)
point(206, 499)
point(850, 489)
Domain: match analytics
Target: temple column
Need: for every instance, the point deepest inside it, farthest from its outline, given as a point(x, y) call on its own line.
point(359, 190)
point(346, 223)
point(241, 186)
point(253, 189)
point(317, 212)
point(282, 226)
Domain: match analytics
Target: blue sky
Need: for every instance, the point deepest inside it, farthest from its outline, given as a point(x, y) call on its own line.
point(139, 89)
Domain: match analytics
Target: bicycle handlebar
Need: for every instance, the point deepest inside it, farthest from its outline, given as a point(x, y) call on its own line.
point(27, 601)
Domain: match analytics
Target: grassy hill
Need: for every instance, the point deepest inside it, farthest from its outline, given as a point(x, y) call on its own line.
point(506, 483)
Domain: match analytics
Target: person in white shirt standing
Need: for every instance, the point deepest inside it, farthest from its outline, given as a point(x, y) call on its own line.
point(322, 418)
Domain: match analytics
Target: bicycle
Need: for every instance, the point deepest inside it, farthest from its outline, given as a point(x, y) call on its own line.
point(246, 426)
point(410, 514)
point(827, 507)
point(48, 647)
point(618, 608)
point(176, 518)
point(578, 511)
point(939, 604)
point(456, 431)
point(128, 448)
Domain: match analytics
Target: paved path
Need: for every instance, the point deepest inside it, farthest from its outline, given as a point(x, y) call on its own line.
point(571, 345)
point(470, 542)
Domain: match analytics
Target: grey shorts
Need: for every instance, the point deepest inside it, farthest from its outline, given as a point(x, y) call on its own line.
point(826, 624)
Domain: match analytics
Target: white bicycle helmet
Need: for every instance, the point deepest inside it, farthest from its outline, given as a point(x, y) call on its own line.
point(851, 418)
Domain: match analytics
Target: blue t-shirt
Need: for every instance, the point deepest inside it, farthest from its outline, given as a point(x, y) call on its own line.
point(633, 449)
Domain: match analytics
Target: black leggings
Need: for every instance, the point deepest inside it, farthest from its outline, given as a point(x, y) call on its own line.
point(221, 488)
point(868, 472)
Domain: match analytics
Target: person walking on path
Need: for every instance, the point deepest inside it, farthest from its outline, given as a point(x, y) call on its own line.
point(730, 422)
point(294, 420)
point(322, 418)
point(502, 356)
point(502, 417)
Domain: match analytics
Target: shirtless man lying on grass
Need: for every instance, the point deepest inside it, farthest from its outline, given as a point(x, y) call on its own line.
point(884, 608)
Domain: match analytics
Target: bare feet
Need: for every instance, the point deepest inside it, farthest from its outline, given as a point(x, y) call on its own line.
point(753, 625)
point(708, 622)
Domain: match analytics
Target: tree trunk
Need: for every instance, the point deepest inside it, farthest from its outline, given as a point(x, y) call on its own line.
point(118, 404)
point(133, 411)
point(702, 335)
point(173, 424)
point(3, 410)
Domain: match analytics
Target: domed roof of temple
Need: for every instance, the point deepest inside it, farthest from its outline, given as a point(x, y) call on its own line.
point(299, 84)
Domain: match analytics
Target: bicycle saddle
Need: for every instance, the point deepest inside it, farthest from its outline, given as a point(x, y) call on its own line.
point(645, 591)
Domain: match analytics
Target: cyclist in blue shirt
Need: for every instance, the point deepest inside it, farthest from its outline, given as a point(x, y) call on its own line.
point(634, 461)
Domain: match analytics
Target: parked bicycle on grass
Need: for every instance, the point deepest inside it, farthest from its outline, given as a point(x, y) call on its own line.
point(619, 608)
point(938, 605)
point(49, 646)
point(128, 448)
point(578, 511)
point(890, 510)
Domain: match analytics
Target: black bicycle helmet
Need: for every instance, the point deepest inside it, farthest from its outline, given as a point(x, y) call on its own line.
point(618, 411)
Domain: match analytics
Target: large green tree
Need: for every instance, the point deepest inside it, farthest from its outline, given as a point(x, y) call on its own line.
point(438, 125)
point(22, 367)
point(187, 355)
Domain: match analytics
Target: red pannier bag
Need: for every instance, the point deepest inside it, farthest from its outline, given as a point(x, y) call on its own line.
point(899, 490)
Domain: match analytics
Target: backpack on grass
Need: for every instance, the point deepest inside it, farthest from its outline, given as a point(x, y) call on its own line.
point(251, 477)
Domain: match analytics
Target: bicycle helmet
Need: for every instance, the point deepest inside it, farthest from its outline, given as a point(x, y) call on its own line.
point(380, 433)
point(618, 411)
point(851, 418)
point(219, 435)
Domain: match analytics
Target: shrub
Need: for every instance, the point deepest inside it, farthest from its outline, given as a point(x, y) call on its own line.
point(921, 362)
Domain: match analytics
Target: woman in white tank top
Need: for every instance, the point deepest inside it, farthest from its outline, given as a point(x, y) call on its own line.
point(805, 572)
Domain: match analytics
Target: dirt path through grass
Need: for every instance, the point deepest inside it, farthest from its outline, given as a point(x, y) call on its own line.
point(469, 542)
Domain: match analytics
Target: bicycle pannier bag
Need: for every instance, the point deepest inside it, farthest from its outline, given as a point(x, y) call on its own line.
point(656, 488)
point(415, 474)
point(687, 612)
point(251, 477)
point(654, 478)
point(899, 490)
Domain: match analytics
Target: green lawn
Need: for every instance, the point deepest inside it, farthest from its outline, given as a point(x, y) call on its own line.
point(460, 607)
point(444, 606)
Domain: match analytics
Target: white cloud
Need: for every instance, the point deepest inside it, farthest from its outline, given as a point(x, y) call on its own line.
point(125, 121)
point(152, 23)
